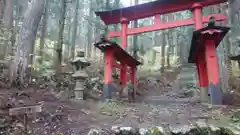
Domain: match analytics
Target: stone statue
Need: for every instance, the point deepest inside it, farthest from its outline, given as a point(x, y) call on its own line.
point(80, 75)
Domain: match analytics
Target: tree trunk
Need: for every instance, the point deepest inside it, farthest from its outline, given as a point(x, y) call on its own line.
point(23, 6)
point(2, 5)
point(16, 26)
point(2, 41)
point(69, 53)
point(95, 38)
point(117, 5)
point(163, 35)
point(60, 37)
point(74, 32)
point(43, 30)
point(168, 49)
point(107, 7)
point(135, 37)
point(90, 30)
point(175, 44)
point(25, 43)
point(170, 40)
point(163, 52)
point(8, 23)
point(154, 43)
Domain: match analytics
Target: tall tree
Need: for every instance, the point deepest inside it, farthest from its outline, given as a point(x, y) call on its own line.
point(2, 5)
point(74, 31)
point(163, 37)
point(59, 46)
point(170, 40)
point(135, 37)
point(26, 40)
point(90, 30)
point(107, 7)
point(154, 37)
point(43, 30)
point(8, 23)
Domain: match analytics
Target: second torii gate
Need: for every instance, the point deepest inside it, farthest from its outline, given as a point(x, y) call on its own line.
point(156, 8)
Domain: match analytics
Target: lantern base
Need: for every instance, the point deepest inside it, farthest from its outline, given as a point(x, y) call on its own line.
point(79, 90)
point(79, 94)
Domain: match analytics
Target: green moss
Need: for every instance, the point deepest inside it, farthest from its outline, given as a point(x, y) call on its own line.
point(226, 131)
point(154, 131)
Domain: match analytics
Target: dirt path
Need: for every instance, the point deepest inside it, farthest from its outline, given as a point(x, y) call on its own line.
point(160, 106)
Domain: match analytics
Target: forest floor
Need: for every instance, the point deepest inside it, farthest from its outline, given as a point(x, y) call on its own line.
point(158, 105)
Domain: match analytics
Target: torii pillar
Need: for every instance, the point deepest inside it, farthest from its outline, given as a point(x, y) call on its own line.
point(201, 63)
point(124, 27)
point(204, 44)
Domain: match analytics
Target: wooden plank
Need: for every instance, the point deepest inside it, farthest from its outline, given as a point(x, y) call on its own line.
point(25, 110)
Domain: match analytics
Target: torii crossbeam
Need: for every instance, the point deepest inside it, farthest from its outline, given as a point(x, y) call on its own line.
point(156, 8)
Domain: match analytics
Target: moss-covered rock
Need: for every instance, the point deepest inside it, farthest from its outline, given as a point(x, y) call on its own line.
point(226, 131)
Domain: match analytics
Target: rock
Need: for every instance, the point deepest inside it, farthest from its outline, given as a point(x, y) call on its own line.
point(62, 94)
point(156, 131)
point(126, 131)
point(181, 130)
point(94, 132)
point(198, 129)
point(227, 131)
point(87, 112)
point(115, 129)
point(143, 131)
point(215, 130)
point(236, 116)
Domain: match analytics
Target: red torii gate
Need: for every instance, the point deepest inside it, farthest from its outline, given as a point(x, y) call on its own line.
point(156, 8)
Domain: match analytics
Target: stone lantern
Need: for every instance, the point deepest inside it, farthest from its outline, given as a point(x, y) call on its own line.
point(80, 75)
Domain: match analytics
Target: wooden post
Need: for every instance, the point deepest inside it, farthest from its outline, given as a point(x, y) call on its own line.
point(123, 74)
point(107, 90)
point(25, 123)
point(213, 72)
